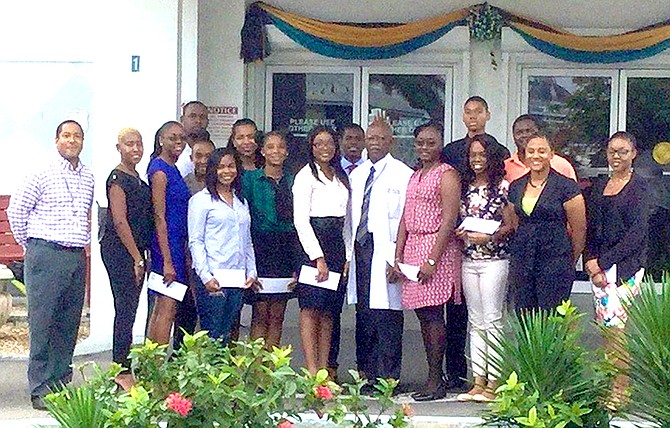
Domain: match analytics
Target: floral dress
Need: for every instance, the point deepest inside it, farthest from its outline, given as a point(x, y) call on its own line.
point(610, 302)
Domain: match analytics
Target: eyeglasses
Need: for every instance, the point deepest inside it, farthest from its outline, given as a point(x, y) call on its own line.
point(620, 152)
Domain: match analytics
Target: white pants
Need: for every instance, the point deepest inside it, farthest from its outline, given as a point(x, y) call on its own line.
point(484, 286)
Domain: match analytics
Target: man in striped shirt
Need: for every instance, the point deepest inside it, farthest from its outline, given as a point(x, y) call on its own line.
point(49, 215)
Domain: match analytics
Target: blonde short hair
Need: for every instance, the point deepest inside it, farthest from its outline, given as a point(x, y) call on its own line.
point(126, 132)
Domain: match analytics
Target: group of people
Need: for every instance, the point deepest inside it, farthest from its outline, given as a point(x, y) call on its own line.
point(398, 238)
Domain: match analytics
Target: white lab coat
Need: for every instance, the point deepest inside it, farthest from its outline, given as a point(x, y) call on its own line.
point(387, 200)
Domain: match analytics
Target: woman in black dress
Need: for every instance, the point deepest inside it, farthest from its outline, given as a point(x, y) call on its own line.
point(128, 231)
point(320, 197)
point(550, 234)
point(616, 242)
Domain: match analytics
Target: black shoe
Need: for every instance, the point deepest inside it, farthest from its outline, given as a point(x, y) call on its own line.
point(455, 385)
point(439, 393)
point(38, 403)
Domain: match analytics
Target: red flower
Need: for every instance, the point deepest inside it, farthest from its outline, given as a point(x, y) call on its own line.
point(285, 424)
point(323, 392)
point(178, 403)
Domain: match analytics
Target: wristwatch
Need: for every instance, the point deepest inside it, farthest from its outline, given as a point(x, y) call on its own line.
point(432, 262)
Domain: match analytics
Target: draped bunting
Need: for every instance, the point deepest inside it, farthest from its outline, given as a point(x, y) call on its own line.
point(629, 46)
point(383, 41)
point(345, 41)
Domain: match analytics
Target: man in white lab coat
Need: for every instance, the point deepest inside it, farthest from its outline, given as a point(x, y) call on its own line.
point(378, 188)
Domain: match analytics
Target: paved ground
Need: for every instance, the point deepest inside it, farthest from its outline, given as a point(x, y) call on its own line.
point(15, 403)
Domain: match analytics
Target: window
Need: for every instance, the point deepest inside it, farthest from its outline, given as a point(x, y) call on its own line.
point(407, 99)
point(578, 109)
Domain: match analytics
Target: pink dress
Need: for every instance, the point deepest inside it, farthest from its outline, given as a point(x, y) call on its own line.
point(423, 215)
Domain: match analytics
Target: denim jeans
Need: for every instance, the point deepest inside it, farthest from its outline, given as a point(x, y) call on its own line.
point(218, 311)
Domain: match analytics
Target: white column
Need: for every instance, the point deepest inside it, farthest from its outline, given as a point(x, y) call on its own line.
point(489, 81)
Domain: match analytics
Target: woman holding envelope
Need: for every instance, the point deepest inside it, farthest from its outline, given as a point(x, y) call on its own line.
point(616, 244)
point(219, 230)
point(426, 240)
point(268, 191)
point(320, 197)
point(485, 262)
point(169, 195)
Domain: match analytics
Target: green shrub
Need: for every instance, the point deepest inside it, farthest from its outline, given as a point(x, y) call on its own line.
point(547, 378)
point(647, 341)
point(206, 384)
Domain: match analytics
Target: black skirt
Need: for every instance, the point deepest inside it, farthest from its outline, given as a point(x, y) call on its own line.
point(278, 255)
point(328, 231)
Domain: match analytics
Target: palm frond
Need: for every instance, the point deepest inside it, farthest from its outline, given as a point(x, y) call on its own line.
point(76, 408)
point(647, 340)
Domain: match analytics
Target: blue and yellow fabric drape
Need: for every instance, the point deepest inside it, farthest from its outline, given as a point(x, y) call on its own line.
point(345, 41)
point(637, 44)
point(382, 41)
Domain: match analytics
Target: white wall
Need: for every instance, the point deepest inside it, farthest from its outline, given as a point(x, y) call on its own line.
point(103, 36)
point(220, 69)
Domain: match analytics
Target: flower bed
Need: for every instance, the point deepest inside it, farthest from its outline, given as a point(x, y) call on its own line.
point(205, 384)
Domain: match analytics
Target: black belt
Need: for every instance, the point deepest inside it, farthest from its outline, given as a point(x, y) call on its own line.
point(54, 246)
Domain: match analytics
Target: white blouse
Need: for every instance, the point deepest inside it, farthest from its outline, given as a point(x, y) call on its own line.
point(313, 198)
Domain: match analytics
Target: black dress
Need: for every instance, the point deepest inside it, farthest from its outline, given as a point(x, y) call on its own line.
point(119, 263)
point(542, 268)
point(618, 227)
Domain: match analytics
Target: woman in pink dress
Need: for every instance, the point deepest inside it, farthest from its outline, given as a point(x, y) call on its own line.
point(426, 239)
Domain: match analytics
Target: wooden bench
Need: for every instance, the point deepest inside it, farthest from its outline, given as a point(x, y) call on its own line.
point(10, 251)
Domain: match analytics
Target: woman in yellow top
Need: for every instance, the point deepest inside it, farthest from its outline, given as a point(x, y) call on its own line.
point(551, 231)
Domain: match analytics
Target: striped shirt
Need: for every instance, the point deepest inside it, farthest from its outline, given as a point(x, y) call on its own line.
point(54, 205)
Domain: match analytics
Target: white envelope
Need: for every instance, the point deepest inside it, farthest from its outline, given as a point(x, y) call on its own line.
point(176, 290)
point(410, 271)
point(475, 224)
point(275, 285)
point(308, 276)
point(611, 274)
point(230, 278)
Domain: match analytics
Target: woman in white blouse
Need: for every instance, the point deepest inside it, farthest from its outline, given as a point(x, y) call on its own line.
point(320, 197)
point(219, 237)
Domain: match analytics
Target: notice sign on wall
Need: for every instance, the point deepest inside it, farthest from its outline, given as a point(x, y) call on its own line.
point(221, 119)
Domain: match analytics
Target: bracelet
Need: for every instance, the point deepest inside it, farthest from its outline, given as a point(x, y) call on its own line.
point(140, 263)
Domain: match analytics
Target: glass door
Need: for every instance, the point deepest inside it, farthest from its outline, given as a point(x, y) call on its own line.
point(408, 97)
point(301, 98)
point(645, 112)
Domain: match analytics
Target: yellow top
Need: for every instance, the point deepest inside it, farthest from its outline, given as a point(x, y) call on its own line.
point(528, 203)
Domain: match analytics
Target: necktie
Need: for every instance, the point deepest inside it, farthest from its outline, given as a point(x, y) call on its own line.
point(362, 230)
point(350, 168)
